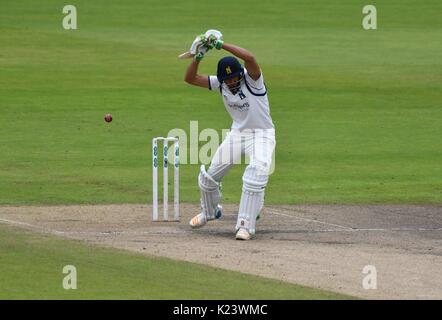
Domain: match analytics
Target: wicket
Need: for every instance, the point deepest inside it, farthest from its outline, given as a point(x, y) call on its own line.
point(165, 178)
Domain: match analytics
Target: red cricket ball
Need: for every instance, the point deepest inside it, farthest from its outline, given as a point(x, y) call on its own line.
point(108, 118)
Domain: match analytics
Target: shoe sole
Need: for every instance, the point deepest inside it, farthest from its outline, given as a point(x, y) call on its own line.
point(197, 227)
point(242, 238)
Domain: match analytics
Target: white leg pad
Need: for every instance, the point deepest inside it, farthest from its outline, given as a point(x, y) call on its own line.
point(252, 198)
point(210, 193)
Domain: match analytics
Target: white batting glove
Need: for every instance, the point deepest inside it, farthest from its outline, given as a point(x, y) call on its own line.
point(213, 39)
point(197, 44)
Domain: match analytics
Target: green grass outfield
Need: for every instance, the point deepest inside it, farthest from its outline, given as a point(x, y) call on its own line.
point(358, 113)
point(358, 116)
point(32, 265)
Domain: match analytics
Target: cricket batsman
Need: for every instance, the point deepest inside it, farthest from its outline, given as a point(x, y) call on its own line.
point(252, 133)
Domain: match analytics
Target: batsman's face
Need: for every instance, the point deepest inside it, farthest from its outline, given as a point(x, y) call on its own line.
point(232, 81)
point(233, 84)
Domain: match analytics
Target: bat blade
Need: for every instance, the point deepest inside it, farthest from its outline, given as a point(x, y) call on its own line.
point(185, 55)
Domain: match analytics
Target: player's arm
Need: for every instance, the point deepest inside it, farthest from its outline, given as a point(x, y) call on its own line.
point(249, 59)
point(192, 77)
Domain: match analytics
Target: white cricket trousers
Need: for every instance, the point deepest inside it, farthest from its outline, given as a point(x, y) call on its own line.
point(258, 146)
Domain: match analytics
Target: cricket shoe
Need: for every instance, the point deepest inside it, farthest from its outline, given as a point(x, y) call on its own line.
point(200, 220)
point(243, 234)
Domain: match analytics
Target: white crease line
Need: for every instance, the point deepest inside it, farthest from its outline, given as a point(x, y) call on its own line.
point(353, 229)
point(108, 233)
point(309, 220)
point(20, 223)
point(33, 226)
point(397, 229)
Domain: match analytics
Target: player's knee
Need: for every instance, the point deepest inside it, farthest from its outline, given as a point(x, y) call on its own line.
point(205, 181)
point(218, 171)
point(255, 179)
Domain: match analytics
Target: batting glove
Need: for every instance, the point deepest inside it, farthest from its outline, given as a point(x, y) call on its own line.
point(214, 42)
point(202, 50)
point(199, 56)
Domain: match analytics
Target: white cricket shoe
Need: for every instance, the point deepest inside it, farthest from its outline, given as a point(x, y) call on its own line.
point(198, 221)
point(243, 234)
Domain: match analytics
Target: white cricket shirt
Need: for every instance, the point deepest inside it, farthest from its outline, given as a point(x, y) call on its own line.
point(249, 107)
